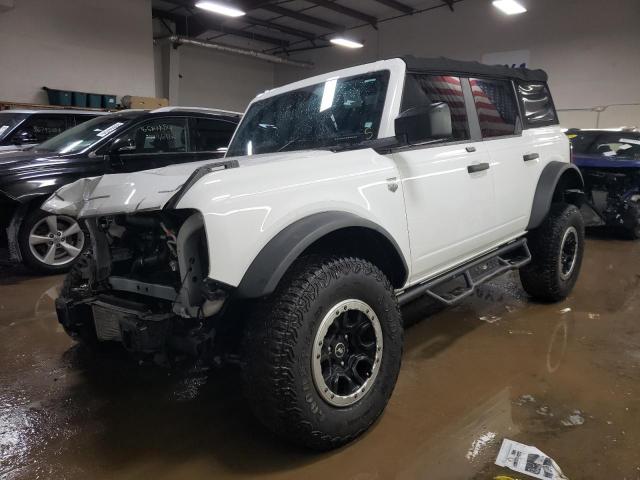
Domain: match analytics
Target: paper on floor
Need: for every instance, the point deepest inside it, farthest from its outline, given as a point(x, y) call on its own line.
point(528, 460)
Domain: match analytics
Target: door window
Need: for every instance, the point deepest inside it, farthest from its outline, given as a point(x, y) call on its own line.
point(161, 135)
point(422, 90)
point(209, 135)
point(496, 106)
point(38, 128)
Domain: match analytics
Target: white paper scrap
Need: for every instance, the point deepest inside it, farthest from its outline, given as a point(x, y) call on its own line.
point(528, 460)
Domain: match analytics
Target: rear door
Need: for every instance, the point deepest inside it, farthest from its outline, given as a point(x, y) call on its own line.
point(516, 153)
point(448, 185)
point(210, 137)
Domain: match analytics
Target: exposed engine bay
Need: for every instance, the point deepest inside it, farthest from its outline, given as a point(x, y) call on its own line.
point(613, 197)
point(108, 294)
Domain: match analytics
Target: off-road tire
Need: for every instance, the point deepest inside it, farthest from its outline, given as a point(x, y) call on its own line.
point(277, 346)
point(542, 278)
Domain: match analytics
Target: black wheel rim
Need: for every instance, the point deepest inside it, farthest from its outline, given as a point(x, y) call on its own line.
point(347, 353)
point(568, 252)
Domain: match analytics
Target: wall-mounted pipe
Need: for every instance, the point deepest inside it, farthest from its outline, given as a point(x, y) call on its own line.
point(180, 40)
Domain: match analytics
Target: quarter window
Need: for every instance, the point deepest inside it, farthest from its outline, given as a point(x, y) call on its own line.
point(496, 107)
point(162, 135)
point(537, 105)
point(421, 90)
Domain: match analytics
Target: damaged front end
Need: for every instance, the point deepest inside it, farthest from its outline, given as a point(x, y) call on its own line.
point(144, 284)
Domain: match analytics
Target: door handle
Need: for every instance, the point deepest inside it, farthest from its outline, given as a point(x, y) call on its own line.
point(470, 149)
point(477, 167)
point(530, 156)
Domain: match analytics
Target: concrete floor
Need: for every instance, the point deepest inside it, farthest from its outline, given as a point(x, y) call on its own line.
point(495, 366)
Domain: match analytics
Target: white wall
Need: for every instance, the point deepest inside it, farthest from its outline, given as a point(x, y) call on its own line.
point(86, 45)
point(588, 47)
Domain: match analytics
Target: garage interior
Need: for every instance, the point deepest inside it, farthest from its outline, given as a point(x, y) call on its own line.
point(562, 377)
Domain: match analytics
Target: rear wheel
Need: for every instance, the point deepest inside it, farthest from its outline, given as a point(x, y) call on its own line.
point(321, 357)
point(50, 243)
point(557, 248)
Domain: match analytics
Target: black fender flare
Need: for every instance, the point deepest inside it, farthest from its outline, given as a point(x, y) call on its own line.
point(275, 258)
point(548, 183)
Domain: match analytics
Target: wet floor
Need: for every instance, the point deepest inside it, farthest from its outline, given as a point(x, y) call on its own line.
point(564, 378)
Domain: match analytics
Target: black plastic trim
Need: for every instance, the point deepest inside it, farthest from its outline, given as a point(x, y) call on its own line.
point(197, 175)
point(546, 188)
point(266, 270)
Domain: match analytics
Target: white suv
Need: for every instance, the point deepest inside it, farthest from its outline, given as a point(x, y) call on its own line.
point(342, 197)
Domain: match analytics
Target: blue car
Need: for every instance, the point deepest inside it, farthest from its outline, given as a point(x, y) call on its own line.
point(610, 163)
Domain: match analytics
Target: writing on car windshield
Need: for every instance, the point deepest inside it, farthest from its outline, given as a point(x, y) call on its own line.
point(336, 112)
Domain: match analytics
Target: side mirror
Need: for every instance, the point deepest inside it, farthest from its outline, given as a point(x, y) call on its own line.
point(122, 145)
point(422, 124)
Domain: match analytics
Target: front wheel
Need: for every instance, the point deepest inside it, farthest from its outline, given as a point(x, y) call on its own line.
point(321, 357)
point(50, 243)
point(557, 248)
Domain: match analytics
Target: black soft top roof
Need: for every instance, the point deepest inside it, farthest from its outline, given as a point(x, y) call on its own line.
point(448, 65)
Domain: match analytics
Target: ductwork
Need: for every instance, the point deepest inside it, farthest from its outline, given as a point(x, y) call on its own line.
point(180, 40)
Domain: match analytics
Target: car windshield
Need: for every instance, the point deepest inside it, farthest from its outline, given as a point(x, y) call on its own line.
point(8, 121)
point(337, 112)
point(85, 135)
point(618, 145)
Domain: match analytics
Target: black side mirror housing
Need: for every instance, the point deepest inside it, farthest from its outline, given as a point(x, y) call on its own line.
point(424, 123)
point(122, 146)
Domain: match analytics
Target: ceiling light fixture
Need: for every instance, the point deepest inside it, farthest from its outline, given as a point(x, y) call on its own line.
point(345, 42)
point(220, 8)
point(510, 7)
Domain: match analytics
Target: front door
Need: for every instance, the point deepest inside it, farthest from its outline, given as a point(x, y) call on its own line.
point(448, 186)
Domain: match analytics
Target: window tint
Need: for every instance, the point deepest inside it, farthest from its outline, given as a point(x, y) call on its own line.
point(537, 105)
point(38, 128)
point(162, 135)
point(496, 106)
point(421, 90)
point(208, 135)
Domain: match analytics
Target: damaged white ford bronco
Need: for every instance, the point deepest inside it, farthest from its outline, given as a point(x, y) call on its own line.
point(341, 198)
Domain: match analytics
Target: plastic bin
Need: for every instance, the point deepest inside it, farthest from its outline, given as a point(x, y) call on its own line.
point(94, 100)
point(109, 101)
point(58, 97)
point(79, 99)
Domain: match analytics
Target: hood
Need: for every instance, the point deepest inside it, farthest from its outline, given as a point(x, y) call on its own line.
point(21, 159)
point(148, 190)
point(583, 160)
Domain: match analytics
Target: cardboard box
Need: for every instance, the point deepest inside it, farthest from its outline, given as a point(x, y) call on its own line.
point(129, 101)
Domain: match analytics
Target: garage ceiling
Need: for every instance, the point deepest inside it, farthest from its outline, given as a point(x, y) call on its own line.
point(284, 27)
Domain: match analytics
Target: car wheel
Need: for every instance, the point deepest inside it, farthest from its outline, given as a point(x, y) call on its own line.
point(50, 243)
point(321, 357)
point(557, 248)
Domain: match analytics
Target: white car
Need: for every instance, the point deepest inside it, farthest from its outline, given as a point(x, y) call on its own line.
point(342, 197)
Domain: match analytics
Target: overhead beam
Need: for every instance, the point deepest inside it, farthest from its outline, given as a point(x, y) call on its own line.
point(195, 25)
point(401, 7)
point(303, 17)
point(449, 4)
point(349, 12)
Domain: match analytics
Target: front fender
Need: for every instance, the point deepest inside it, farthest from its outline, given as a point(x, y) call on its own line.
point(270, 265)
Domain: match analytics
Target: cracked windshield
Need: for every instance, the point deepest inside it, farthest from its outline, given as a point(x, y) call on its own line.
point(337, 112)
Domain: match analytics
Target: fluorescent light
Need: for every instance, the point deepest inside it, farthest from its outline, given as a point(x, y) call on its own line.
point(345, 42)
point(220, 8)
point(510, 7)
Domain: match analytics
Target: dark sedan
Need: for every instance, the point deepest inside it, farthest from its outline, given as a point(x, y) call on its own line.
point(120, 142)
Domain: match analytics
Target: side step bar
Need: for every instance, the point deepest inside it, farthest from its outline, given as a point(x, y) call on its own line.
point(474, 273)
